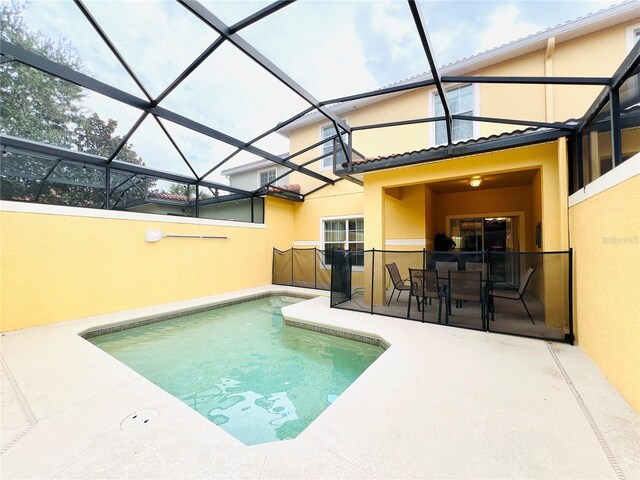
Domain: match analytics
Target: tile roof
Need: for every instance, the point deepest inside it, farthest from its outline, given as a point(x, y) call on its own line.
point(471, 141)
point(295, 188)
point(168, 196)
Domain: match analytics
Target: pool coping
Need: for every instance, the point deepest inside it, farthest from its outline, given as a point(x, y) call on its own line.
point(148, 320)
point(355, 336)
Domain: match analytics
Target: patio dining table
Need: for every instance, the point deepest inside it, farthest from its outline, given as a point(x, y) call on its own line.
point(487, 286)
point(443, 281)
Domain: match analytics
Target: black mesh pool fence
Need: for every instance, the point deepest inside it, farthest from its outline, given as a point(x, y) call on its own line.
point(302, 267)
point(520, 293)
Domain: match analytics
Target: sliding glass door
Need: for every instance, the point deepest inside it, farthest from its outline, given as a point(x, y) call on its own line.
point(492, 234)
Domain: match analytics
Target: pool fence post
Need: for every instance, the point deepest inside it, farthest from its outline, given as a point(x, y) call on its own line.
point(197, 200)
point(424, 268)
point(373, 271)
point(107, 191)
point(571, 339)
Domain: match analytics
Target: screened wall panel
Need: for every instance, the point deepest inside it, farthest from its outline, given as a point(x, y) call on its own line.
point(630, 116)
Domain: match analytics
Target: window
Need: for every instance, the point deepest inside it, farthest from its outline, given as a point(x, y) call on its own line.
point(266, 176)
point(633, 36)
point(344, 234)
point(460, 100)
point(327, 162)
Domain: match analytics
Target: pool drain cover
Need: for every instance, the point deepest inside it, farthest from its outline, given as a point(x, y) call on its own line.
point(139, 419)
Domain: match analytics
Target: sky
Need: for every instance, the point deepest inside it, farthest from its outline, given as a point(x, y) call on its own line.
point(331, 48)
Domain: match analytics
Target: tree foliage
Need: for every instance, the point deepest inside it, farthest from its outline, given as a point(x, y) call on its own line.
point(40, 107)
point(93, 135)
point(36, 105)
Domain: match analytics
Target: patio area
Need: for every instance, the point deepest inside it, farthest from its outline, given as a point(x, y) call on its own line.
point(509, 317)
point(438, 403)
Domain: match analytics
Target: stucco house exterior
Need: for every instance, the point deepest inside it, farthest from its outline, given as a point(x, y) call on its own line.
point(256, 174)
point(410, 192)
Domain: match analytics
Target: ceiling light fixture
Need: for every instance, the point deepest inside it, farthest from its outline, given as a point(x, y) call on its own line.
point(475, 181)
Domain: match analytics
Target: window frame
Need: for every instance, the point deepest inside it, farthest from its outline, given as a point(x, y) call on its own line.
point(475, 112)
point(345, 219)
point(632, 32)
point(265, 170)
point(322, 167)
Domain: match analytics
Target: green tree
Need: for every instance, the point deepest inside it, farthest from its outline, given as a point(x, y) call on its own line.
point(40, 107)
point(94, 135)
point(35, 105)
point(189, 191)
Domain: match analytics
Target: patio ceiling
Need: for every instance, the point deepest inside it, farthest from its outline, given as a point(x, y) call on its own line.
point(213, 42)
point(501, 180)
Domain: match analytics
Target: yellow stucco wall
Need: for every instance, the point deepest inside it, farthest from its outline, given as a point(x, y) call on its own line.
point(604, 232)
point(605, 50)
point(59, 267)
point(522, 102)
point(405, 223)
point(345, 198)
point(536, 208)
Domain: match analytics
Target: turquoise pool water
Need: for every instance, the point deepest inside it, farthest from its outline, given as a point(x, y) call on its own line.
point(242, 368)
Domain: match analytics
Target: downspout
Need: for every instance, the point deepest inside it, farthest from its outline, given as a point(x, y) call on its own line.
point(548, 72)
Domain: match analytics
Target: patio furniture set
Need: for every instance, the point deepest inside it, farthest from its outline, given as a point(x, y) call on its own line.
point(447, 283)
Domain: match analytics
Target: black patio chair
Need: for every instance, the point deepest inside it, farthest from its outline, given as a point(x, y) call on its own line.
point(443, 268)
point(467, 286)
point(516, 293)
point(478, 267)
point(399, 283)
point(426, 285)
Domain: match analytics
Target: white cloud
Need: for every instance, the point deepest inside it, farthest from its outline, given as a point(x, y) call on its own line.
point(316, 43)
point(446, 42)
point(393, 21)
point(504, 26)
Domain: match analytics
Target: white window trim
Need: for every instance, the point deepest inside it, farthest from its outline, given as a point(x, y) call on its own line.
point(355, 216)
point(432, 110)
point(631, 30)
point(266, 170)
point(322, 168)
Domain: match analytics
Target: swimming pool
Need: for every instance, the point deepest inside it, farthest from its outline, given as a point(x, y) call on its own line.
point(242, 368)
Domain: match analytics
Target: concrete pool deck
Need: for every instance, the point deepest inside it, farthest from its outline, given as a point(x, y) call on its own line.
point(439, 403)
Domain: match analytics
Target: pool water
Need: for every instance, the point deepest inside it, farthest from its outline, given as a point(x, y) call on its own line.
point(242, 368)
